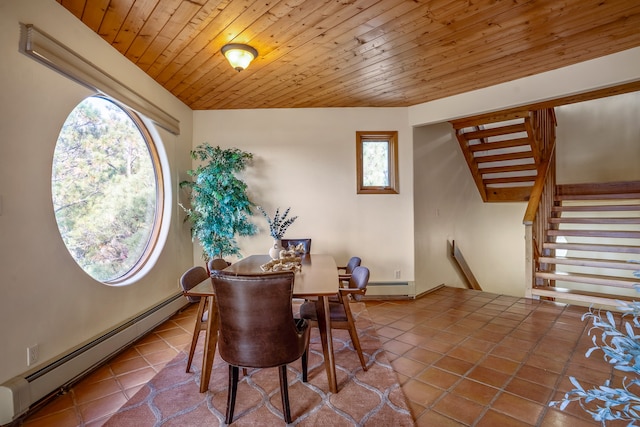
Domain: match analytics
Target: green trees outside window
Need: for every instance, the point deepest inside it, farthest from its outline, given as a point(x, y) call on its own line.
point(105, 189)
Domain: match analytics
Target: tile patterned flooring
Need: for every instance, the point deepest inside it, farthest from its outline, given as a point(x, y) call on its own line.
point(463, 358)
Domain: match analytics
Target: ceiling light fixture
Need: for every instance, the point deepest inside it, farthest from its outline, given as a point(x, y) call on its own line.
point(239, 55)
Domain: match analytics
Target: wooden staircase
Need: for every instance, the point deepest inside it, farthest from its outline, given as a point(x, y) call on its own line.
point(504, 151)
point(591, 237)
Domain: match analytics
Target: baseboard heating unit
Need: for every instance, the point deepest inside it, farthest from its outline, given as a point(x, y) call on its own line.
point(382, 290)
point(21, 392)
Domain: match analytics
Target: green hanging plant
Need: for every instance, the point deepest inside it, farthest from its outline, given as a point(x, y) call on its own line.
point(220, 208)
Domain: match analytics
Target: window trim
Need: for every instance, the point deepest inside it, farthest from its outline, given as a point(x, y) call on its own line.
point(162, 215)
point(392, 140)
point(43, 48)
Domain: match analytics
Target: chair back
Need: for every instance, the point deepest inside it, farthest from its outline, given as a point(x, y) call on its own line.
point(359, 280)
point(353, 263)
point(295, 242)
point(192, 277)
point(257, 328)
point(217, 264)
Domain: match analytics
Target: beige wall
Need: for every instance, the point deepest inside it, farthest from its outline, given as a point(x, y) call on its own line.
point(45, 298)
point(449, 208)
point(305, 159)
point(599, 141)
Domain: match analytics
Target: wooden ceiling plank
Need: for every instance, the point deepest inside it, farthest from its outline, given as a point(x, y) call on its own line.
point(94, 14)
point(176, 60)
point(409, 42)
point(115, 15)
point(467, 76)
point(332, 36)
point(336, 14)
point(136, 18)
point(152, 26)
point(490, 48)
point(365, 53)
point(185, 32)
point(76, 7)
point(209, 56)
point(186, 14)
point(282, 14)
point(533, 60)
point(319, 64)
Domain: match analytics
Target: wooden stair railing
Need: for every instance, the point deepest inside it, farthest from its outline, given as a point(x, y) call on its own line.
point(601, 226)
point(536, 217)
point(504, 151)
point(456, 253)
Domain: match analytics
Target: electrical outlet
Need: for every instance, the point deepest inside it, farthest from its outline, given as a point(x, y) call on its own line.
point(397, 274)
point(32, 354)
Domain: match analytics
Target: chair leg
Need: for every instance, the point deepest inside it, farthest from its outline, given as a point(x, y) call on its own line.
point(231, 396)
point(196, 331)
point(354, 334)
point(284, 393)
point(305, 364)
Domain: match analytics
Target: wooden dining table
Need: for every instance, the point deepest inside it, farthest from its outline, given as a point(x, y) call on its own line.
point(318, 278)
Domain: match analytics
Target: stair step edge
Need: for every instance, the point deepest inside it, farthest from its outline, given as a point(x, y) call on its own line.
point(617, 282)
point(574, 295)
point(591, 262)
point(593, 247)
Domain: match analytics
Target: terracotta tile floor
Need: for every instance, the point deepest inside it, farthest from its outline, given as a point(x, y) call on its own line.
point(463, 358)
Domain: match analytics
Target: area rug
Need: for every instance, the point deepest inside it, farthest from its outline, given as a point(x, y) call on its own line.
point(371, 398)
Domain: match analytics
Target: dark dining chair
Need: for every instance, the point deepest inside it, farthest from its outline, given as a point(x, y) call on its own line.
point(295, 242)
point(257, 328)
point(340, 311)
point(353, 263)
point(217, 264)
point(189, 279)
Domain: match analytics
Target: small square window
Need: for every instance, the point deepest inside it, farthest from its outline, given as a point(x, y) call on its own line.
point(377, 162)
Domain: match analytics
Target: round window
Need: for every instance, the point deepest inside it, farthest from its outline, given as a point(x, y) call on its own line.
point(106, 189)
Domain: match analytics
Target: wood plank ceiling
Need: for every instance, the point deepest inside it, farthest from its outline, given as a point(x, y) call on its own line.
point(354, 53)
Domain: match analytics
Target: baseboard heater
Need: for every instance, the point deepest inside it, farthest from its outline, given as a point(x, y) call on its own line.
point(20, 393)
point(390, 290)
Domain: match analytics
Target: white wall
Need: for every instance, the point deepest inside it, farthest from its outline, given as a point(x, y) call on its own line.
point(449, 208)
point(599, 141)
point(305, 159)
point(45, 298)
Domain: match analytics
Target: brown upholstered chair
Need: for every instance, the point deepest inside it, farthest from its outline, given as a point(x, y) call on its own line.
point(295, 242)
point(189, 279)
point(340, 312)
point(257, 328)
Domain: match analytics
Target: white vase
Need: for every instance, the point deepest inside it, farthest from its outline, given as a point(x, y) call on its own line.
point(274, 252)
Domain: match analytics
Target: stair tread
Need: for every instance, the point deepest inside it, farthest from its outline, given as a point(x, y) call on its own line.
point(595, 279)
point(595, 220)
point(498, 145)
point(504, 157)
point(596, 208)
point(596, 233)
point(510, 168)
point(579, 295)
point(593, 247)
point(601, 188)
point(509, 179)
point(495, 131)
point(608, 196)
point(591, 262)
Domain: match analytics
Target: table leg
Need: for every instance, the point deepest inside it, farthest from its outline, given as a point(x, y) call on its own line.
point(210, 343)
point(324, 325)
